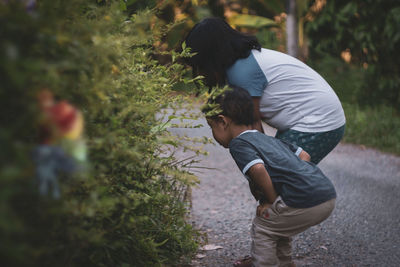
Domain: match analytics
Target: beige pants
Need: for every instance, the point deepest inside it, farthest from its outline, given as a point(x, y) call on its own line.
point(271, 234)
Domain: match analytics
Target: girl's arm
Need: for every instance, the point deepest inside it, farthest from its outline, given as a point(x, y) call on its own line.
point(257, 115)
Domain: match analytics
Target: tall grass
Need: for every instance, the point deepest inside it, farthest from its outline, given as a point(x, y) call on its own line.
point(377, 127)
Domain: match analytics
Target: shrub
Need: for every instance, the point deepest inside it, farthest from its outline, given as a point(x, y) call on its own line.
point(129, 208)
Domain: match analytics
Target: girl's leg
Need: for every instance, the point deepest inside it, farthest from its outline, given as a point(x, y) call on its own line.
point(318, 145)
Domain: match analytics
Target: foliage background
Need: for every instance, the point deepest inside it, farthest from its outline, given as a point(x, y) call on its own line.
point(354, 44)
point(129, 208)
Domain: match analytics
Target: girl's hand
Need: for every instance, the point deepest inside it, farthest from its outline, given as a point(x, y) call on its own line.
point(262, 209)
point(304, 156)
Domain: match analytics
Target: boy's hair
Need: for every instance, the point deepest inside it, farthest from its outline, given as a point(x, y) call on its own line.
point(235, 103)
point(218, 46)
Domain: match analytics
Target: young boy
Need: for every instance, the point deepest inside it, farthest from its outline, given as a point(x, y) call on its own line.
point(294, 194)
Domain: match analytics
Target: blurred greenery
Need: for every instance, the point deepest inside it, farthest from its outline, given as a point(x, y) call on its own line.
point(369, 31)
point(268, 39)
point(252, 21)
point(354, 44)
point(130, 207)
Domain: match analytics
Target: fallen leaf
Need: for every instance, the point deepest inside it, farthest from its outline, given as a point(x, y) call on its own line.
point(200, 256)
point(211, 247)
point(323, 247)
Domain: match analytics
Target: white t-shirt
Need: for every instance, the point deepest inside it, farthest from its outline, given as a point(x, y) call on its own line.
point(293, 96)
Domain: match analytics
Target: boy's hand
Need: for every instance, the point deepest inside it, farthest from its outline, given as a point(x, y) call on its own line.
point(262, 210)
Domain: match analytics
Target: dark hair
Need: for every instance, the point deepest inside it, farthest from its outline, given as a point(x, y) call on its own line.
point(218, 46)
point(235, 103)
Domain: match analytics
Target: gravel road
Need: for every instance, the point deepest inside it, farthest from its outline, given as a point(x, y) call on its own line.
point(364, 229)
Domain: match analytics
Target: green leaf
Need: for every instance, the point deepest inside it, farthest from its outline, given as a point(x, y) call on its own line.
point(130, 2)
point(161, 243)
point(160, 128)
point(252, 21)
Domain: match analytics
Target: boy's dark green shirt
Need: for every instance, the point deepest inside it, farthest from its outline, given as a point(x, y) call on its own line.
point(300, 184)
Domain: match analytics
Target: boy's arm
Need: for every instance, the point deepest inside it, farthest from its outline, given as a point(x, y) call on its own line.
point(256, 193)
point(260, 177)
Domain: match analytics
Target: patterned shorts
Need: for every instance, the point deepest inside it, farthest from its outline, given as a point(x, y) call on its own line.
point(318, 145)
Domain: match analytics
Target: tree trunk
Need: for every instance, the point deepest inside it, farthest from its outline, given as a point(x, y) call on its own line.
point(291, 28)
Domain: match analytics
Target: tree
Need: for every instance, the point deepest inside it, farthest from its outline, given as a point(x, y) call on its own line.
point(292, 40)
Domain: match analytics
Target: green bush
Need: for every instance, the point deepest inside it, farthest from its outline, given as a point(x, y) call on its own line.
point(129, 208)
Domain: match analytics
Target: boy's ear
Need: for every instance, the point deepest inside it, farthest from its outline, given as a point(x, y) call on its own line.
point(224, 120)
